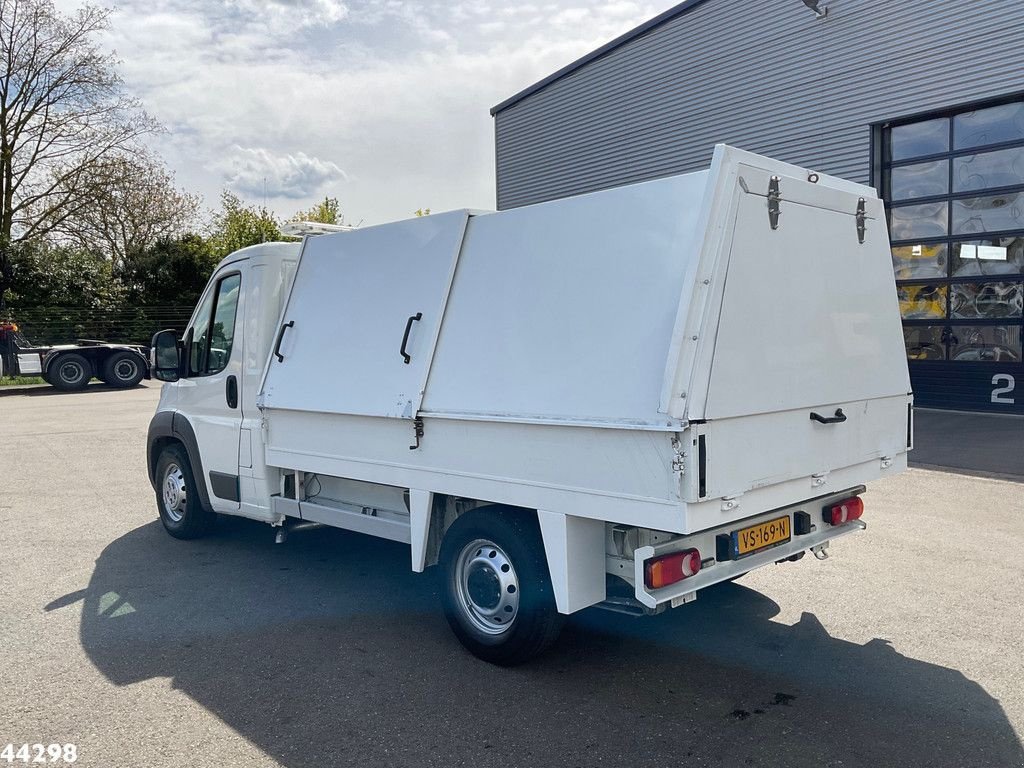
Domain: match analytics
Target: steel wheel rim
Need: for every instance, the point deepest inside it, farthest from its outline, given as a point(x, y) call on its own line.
point(487, 586)
point(174, 493)
point(125, 369)
point(76, 371)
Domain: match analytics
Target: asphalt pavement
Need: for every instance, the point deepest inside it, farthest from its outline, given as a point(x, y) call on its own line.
point(904, 648)
point(983, 443)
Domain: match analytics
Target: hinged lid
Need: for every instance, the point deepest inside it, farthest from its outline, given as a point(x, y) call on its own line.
point(807, 315)
point(354, 304)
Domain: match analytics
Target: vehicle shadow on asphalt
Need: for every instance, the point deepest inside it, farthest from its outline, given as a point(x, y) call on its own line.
point(328, 651)
point(46, 390)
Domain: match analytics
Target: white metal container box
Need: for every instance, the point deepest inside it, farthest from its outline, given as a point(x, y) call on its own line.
point(675, 355)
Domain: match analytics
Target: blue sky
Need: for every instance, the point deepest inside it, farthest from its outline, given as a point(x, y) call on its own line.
point(381, 103)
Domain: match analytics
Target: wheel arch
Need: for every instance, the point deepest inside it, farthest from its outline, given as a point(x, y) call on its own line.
point(574, 547)
point(432, 514)
point(50, 358)
point(169, 428)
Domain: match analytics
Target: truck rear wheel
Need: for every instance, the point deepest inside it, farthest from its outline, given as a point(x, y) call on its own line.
point(123, 370)
point(70, 372)
point(177, 499)
point(497, 592)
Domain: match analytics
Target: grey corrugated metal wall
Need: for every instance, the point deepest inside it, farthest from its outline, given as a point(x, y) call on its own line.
point(765, 76)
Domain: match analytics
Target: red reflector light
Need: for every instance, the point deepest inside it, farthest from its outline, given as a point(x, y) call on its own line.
point(668, 569)
point(844, 511)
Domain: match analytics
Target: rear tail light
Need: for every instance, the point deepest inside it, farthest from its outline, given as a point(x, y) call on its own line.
point(668, 569)
point(844, 511)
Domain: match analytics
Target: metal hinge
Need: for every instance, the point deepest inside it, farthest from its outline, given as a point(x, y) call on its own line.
point(774, 202)
point(862, 217)
point(417, 427)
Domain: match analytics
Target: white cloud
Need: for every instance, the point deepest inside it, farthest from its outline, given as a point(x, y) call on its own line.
point(255, 171)
point(395, 92)
point(300, 13)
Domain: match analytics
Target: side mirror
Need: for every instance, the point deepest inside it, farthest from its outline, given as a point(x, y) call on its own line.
point(165, 356)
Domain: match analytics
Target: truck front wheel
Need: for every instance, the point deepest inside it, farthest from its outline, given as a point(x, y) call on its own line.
point(69, 372)
point(497, 592)
point(181, 510)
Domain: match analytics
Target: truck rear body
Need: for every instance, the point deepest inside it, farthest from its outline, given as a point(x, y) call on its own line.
point(650, 355)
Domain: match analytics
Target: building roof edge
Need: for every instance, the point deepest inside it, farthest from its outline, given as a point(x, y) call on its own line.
point(647, 26)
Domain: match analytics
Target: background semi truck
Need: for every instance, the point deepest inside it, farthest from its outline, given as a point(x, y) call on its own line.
point(71, 366)
point(615, 399)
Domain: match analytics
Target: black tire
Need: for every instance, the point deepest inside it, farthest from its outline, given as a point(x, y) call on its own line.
point(123, 370)
point(70, 372)
point(180, 508)
point(472, 546)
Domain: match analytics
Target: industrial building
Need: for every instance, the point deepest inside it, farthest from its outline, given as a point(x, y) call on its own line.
point(923, 100)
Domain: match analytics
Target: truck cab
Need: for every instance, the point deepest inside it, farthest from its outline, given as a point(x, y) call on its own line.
point(210, 409)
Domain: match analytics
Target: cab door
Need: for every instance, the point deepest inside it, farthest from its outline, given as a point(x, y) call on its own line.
point(210, 393)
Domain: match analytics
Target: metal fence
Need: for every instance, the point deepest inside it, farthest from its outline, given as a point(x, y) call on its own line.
point(62, 325)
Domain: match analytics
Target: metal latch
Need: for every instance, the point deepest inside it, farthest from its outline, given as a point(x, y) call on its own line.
point(730, 503)
point(678, 456)
point(417, 427)
point(862, 216)
point(774, 202)
point(819, 479)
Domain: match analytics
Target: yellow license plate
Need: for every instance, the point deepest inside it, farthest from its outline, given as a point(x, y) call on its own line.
point(747, 541)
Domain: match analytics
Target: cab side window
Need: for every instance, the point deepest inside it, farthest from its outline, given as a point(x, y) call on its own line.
point(214, 330)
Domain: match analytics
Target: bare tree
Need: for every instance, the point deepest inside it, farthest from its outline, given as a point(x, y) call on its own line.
point(136, 204)
point(63, 112)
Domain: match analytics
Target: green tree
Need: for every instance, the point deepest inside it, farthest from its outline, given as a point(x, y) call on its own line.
point(326, 212)
point(238, 225)
point(61, 276)
point(170, 272)
point(137, 204)
point(63, 113)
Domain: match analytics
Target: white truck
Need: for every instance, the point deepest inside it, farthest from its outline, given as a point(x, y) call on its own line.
point(614, 399)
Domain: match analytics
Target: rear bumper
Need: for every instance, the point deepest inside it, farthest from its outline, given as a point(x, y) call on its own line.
point(714, 571)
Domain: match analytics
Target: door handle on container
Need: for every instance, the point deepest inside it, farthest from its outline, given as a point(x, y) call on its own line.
point(405, 337)
point(839, 418)
point(280, 338)
point(231, 391)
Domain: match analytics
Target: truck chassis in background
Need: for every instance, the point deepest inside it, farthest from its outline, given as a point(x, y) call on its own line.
point(70, 367)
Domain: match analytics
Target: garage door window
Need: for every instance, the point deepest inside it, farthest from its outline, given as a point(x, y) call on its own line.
point(954, 185)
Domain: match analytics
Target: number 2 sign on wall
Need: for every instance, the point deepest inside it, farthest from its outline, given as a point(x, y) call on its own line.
point(1004, 385)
